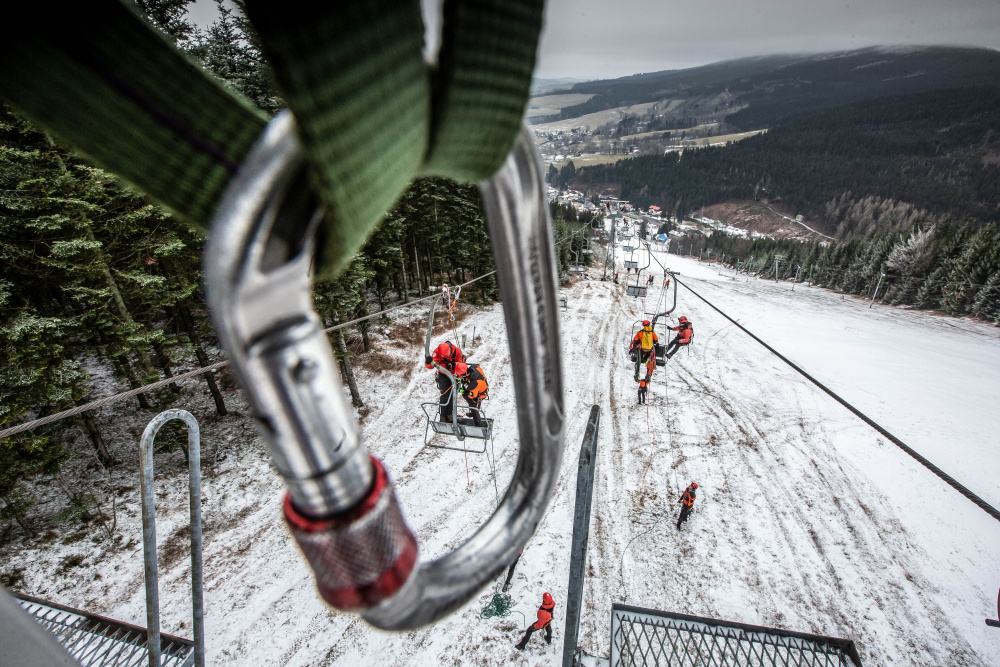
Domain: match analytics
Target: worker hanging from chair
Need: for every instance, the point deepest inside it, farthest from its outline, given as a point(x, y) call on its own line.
point(683, 337)
point(642, 347)
point(448, 356)
point(473, 386)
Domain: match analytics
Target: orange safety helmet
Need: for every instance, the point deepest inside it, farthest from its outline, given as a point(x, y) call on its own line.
point(547, 598)
point(683, 319)
point(461, 369)
point(694, 485)
point(443, 351)
point(645, 323)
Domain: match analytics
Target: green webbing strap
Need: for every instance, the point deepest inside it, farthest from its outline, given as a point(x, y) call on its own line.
point(481, 85)
point(354, 76)
point(98, 77)
point(370, 114)
point(363, 104)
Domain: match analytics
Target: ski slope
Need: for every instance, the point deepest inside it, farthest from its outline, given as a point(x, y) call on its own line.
point(806, 519)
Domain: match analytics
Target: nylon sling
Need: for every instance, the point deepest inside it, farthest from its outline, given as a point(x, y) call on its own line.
point(371, 114)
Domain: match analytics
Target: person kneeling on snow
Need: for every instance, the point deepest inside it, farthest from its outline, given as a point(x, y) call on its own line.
point(544, 621)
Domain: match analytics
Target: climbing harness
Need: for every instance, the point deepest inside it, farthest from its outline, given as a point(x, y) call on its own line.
point(369, 117)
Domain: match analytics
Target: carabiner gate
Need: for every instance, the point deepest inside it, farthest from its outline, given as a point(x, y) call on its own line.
point(341, 506)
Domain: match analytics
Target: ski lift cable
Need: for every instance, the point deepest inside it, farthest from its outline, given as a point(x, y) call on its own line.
point(948, 479)
point(115, 398)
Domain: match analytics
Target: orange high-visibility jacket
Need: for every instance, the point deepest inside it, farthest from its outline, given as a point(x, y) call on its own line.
point(476, 386)
point(645, 339)
point(688, 498)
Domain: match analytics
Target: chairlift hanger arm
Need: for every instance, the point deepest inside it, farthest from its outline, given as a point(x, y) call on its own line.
point(670, 273)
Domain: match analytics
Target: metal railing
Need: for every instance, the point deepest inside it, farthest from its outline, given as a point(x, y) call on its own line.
point(581, 532)
point(149, 535)
point(97, 641)
point(646, 637)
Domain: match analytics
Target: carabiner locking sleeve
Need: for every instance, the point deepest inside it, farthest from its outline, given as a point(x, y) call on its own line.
point(341, 507)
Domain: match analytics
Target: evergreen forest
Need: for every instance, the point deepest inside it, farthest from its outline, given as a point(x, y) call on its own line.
point(98, 282)
point(937, 152)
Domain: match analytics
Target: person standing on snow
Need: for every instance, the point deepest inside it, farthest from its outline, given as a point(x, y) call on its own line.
point(616, 277)
point(683, 337)
point(650, 280)
point(687, 502)
point(642, 346)
point(643, 388)
point(544, 617)
point(446, 355)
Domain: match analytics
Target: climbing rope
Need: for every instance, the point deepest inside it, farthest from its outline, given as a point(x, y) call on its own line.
point(948, 479)
point(493, 466)
point(501, 606)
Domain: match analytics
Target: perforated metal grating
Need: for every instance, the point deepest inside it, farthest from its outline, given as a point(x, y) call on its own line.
point(98, 641)
point(646, 637)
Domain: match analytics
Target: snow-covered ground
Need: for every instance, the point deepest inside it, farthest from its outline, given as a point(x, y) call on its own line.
point(806, 519)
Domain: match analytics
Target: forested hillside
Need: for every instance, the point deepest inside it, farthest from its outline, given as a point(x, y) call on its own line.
point(96, 279)
point(934, 154)
point(761, 92)
point(941, 266)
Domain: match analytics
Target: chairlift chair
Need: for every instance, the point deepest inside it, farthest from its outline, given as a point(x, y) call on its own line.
point(462, 424)
point(636, 290)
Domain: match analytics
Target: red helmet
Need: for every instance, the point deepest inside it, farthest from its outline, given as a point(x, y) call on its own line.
point(683, 319)
point(443, 351)
point(547, 598)
point(694, 485)
point(461, 369)
point(645, 323)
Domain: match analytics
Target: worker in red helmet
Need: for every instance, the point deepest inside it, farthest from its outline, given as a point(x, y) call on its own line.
point(683, 337)
point(642, 347)
point(687, 502)
point(446, 355)
point(544, 620)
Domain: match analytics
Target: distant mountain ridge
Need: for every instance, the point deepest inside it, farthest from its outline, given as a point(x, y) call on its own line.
point(936, 151)
point(764, 90)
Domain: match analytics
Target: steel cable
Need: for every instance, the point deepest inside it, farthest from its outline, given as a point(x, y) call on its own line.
point(948, 479)
point(108, 400)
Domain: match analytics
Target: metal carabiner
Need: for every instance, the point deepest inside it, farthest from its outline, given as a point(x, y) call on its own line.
point(340, 506)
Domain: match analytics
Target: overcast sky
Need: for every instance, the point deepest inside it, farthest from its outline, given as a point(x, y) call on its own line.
point(594, 39)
